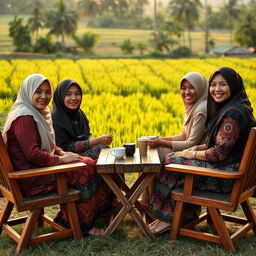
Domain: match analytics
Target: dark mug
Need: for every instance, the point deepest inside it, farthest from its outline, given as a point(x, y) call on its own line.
point(129, 149)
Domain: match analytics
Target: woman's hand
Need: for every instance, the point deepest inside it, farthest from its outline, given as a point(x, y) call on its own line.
point(156, 142)
point(187, 153)
point(69, 157)
point(105, 139)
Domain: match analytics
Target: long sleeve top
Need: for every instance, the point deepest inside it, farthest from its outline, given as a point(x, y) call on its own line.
point(196, 135)
point(225, 140)
point(23, 145)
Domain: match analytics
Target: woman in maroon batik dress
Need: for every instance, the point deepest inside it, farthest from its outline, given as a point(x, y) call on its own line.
point(30, 140)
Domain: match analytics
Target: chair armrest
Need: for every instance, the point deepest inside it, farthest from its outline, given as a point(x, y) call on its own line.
point(203, 171)
point(45, 170)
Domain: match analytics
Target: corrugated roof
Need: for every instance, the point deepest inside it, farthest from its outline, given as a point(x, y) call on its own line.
point(222, 48)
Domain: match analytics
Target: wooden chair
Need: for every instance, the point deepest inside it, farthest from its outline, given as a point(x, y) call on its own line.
point(244, 188)
point(9, 189)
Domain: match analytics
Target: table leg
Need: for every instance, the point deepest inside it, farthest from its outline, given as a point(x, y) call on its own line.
point(128, 201)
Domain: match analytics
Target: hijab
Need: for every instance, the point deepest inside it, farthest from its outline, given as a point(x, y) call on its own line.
point(70, 125)
point(199, 107)
point(237, 106)
point(23, 106)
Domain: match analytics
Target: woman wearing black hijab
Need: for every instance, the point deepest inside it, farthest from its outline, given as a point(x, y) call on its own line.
point(229, 120)
point(71, 124)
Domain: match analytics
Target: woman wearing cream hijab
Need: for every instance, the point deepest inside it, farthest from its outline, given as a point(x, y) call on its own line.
point(193, 91)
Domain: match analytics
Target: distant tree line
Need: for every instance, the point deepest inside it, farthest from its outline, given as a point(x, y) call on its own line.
point(172, 25)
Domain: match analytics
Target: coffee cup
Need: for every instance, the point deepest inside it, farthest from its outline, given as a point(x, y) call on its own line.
point(151, 137)
point(143, 145)
point(129, 149)
point(118, 152)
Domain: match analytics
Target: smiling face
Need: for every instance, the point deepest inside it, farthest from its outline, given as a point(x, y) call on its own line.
point(188, 92)
point(73, 97)
point(219, 89)
point(42, 96)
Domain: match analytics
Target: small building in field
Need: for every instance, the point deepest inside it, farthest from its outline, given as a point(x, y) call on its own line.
point(230, 50)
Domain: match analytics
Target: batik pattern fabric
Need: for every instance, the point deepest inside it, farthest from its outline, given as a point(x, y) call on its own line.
point(163, 206)
point(96, 197)
point(225, 140)
point(83, 148)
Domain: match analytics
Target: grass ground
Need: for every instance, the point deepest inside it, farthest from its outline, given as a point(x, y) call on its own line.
point(128, 240)
point(110, 38)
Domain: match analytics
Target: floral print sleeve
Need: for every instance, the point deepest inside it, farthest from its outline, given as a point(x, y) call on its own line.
point(79, 146)
point(225, 140)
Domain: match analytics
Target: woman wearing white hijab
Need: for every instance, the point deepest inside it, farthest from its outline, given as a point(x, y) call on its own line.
point(30, 140)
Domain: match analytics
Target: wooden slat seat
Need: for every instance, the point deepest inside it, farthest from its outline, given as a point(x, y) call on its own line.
point(244, 187)
point(10, 190)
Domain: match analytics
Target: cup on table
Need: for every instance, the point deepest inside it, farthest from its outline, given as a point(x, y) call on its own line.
point(118, 152)
point(143, 145)
point(151, 137)
point(129, 149)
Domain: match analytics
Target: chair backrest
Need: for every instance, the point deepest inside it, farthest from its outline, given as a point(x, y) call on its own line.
point(6, 185)
point(248, 162)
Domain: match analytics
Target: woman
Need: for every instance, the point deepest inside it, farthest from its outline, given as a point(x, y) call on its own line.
point(193, 91)
point(71, 124)
point(229, 120)
point(30, 140)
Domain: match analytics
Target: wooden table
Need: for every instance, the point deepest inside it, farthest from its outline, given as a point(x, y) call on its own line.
point(110, 170)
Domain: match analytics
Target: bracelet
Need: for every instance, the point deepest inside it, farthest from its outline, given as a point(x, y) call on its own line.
point(194, 155)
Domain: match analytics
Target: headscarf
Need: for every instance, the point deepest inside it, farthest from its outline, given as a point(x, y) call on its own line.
point(23, 106)
point(201, 87)
point(70, 125)
point(237, 106)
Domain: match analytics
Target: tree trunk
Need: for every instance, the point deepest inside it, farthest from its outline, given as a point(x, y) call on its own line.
point(189, 39)
point(206, 29)
point(155, 16)
point(62, 38)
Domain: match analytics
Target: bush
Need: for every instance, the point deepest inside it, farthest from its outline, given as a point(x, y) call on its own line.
point(20, 35)
point(44, 45)
point(87, 41)
point(126, 46)
point(182, 51)
point(106, 20)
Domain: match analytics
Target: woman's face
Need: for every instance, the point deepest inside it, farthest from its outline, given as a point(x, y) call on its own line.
point(219, 89)
point(188, 92)
point(73, 97)
point(42, 96)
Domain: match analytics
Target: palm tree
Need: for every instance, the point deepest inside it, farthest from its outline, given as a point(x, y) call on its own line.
point(161, 41)
point(89, 8)
point(62, 21)
point(232, 13)
point(36, 21)
point(245, 33)
point(118, 7)
point(186, 12)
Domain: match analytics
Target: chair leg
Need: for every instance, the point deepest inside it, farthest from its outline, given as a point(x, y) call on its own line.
point(176, 220)
point(74, 220)
point(221, 228)
point(248, 211)
point(28, 229)
point(6, 212)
